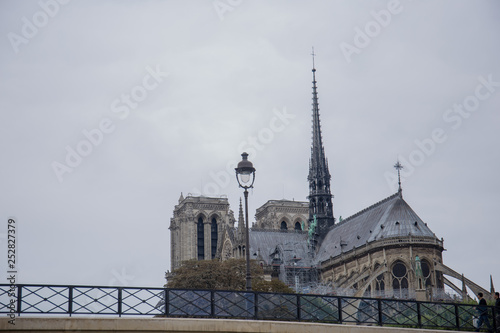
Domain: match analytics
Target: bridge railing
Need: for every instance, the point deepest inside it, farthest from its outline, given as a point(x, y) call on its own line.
point(127, 301)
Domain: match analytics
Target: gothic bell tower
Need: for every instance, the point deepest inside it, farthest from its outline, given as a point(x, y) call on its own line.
point(320, 197)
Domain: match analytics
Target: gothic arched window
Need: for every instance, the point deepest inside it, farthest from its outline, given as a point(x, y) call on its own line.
point(201, 239)
point(214, 236)
point(284, 226)
point(368, 291)
point(298, 226)
point(380, 284)
point(426, 272)
point(399, 279)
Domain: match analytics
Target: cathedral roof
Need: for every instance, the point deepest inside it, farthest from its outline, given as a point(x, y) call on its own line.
point(289, 243)
point(391, 217)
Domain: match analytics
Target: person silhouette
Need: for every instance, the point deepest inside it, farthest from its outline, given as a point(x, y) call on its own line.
point(482, 310)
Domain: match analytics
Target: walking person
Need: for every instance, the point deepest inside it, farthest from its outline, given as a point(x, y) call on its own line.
point(497, 310)
point(482, 310)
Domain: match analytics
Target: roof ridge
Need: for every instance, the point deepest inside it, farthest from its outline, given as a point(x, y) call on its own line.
point(279, 230)
point(284, 201)
point(369, 208)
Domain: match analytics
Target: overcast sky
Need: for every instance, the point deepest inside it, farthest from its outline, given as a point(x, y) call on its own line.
point(110, 109)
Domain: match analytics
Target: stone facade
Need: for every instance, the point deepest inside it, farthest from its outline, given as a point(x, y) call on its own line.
point(197, 228)
point(401, 267)
point(283, 215)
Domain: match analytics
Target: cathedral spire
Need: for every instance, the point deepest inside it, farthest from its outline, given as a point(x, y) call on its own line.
point(398, 166)
point(320, 197)
point(318, 159)
point(313, 54)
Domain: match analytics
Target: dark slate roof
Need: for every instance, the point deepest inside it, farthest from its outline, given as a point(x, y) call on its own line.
point(291, 243)
point(391, 217)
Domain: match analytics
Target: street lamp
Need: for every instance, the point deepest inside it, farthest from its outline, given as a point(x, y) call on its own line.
point(245, 175)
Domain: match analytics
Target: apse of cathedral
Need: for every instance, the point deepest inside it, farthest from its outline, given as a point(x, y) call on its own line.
point(384, 250)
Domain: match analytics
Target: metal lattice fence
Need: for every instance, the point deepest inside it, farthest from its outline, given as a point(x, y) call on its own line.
point(155, 302)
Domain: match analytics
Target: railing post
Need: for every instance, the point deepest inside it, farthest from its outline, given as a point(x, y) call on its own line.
point(19, 298)
point(166, 298)
point(419, 315)
point(212, 303)
point(339, 305)
point(457, 318)
point(380, 318)
point(256, 305)
point(70, 300)
point(119, 302)
point(298, 308)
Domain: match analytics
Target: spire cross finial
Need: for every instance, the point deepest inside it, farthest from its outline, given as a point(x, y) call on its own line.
point(398, 167)
point(313, 54)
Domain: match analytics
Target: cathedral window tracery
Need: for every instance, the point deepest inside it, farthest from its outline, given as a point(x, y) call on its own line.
point(399, 279)
point(201, 238)
point(426, 272)
point(380, 283)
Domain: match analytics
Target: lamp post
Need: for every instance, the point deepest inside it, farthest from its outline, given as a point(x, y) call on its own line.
point(245, 175)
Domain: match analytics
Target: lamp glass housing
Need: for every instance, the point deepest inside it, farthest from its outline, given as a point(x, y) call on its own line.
point(245, 172)
point(245, 177)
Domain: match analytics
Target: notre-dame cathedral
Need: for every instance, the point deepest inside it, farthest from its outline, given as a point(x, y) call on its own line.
point(383, 250)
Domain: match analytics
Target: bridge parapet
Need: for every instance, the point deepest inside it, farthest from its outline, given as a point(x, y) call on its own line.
point(177, 325)
point(21, 303)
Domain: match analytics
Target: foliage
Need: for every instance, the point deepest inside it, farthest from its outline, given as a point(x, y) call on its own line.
point(273, 286)
point(214, 275)
point(319, 308)
point(436, 315)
